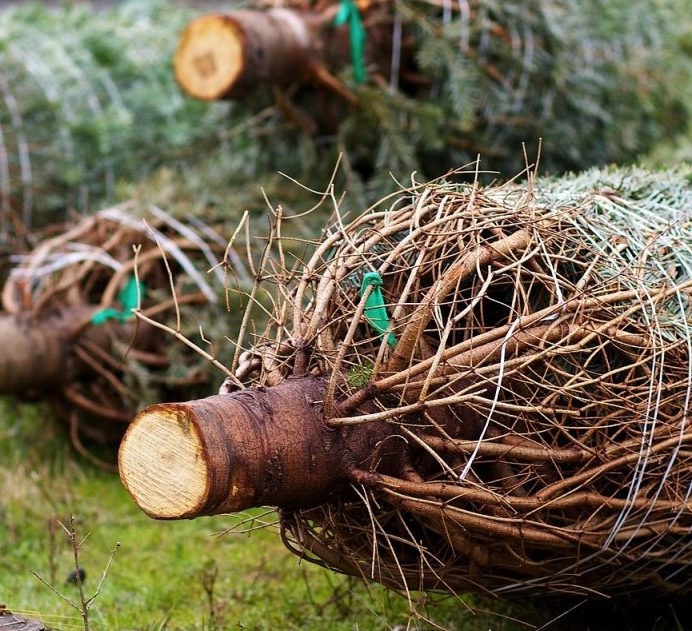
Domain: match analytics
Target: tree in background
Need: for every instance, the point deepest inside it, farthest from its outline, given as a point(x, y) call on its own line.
point(425, 85)
point(88, 99)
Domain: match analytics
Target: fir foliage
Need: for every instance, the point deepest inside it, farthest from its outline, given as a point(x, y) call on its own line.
point(592, 79)
point(87, 99)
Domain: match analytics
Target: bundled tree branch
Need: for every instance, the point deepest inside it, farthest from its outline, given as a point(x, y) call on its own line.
point(529, 438)
point(69, 331)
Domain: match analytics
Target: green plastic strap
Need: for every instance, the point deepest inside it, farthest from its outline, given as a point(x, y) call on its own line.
point(127, 297)
point(103, 316)
point(375, 312)
point(348, 12)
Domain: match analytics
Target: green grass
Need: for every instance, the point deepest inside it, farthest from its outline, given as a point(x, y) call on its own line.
point(156, 580)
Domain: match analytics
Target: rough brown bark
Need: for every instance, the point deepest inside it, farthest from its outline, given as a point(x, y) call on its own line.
point(36, 351)
point(228, 55)
point(222, 55)
point(255, 447)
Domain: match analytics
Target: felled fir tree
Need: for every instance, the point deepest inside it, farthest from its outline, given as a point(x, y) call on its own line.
point(438, 82)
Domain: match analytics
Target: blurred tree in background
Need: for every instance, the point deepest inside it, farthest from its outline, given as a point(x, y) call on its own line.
point(88, 101)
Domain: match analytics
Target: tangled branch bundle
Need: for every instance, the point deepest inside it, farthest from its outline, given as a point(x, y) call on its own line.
point(68, 332)
point(464, 389)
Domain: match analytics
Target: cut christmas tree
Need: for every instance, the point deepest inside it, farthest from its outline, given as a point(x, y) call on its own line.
point(422, 85)
point(68, 330)
point(464, 388)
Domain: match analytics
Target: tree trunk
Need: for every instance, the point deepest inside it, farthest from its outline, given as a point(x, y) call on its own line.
point(228, 55)
point(255, 447)
point(36, 351)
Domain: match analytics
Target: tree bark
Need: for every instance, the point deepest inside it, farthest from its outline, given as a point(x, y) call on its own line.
point(222, 55)
point(255, 447)
point(228, 55)
point(36, 351)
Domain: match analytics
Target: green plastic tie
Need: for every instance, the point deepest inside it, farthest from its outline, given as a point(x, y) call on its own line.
point(348, 12)
point(128, 298)
point(375, 312)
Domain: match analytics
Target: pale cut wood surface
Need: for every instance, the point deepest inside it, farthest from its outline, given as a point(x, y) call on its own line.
point(162, 464)
point(210, 57)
